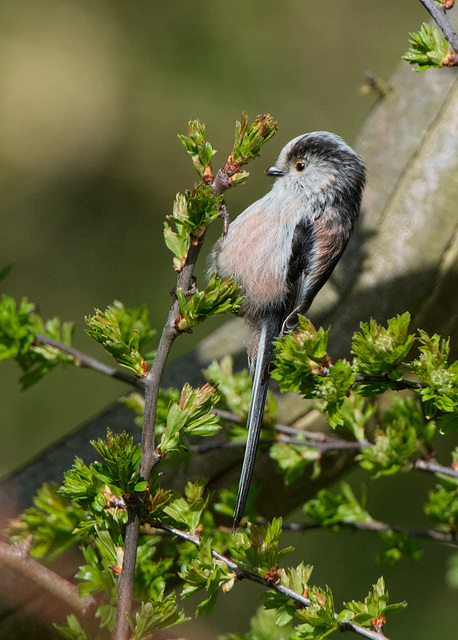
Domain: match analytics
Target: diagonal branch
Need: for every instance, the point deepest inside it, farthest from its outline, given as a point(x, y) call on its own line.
point(319, 441)
point(442, 22)
point(374, 526)
point(244, 574)
point(17, 558)
point(87, 362)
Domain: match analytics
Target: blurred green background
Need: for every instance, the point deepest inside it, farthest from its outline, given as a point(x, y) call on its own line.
point(92, 96)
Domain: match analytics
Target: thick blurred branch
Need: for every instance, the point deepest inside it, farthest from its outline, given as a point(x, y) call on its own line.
point(17, 557)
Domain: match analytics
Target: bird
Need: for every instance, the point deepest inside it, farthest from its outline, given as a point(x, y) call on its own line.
point(282, 249)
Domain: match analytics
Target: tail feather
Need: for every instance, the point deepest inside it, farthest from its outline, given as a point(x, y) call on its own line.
point(255, 415)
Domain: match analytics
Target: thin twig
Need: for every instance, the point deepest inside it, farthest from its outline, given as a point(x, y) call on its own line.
point(334, 444)
point(319, 441)
point(431, 466)
point(442, 22)
point(17, 558)
point(242, 574)
point(375, 526)
point(87, 362)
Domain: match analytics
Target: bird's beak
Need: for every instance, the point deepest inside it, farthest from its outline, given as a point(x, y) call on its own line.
point(274, 171)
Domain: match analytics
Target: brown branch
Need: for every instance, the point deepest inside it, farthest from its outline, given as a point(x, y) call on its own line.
point(442, 22)
point(319, 441)
point(17, 557)
point(245, 574)
point(431, 466)
point(126, 579)
point(375, 526)
point(150, 457)
point(333, 444)
point(87, 362)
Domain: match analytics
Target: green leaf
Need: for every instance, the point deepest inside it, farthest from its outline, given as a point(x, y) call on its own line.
point(72, 631)
point(406, 436)
point(380, 350)
point(123, 462)
point(124, 333)
point(293, 459)
point(155, 616)
point(250, 138)
point(375, 607)
point(319, 617)
point(428, 49)
point(18, 327)
point(52, 524)
point(395, 545)
point(260, 546)
point(441, 381)
point(192, 213)
point(263, 627)
point(218, 297)
point(192, 415)
point(235, 390)
point(189, 510)
point(198, 149)
point(442, 508)
point(302, 364)
point(205, 572)
point(330, 509)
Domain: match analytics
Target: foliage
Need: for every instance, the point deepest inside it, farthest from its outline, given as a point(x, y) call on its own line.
point(192, 213)
point(302, 364)
point(18, 327)
point(178, 534)
point(379, 350)
point(124, 333)
point(428, 49)
point(375, 608)
point(198, 148)
point(218, 297)
point(247, 144)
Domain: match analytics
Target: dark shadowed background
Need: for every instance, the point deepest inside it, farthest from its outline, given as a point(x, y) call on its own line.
point(92, 96)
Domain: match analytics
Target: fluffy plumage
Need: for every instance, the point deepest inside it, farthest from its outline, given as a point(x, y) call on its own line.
point(283, 248)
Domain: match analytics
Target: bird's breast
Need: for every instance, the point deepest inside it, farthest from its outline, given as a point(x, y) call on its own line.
point(256, 251)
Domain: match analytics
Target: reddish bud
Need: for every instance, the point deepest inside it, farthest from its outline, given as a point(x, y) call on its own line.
point(449, 60)
point(377, 623)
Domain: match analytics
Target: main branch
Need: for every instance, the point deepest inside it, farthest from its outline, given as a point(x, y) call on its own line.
point(150, 457)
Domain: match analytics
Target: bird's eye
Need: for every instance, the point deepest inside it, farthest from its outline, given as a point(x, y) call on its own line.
point(300, 166)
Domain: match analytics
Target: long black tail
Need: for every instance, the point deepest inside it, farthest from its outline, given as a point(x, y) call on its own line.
point(255, 415)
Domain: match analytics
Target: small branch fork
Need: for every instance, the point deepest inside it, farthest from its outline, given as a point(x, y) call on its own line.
point(442, 22)
point(245, 574)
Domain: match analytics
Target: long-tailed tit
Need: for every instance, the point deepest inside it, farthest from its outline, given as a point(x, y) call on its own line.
point(281, 251)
